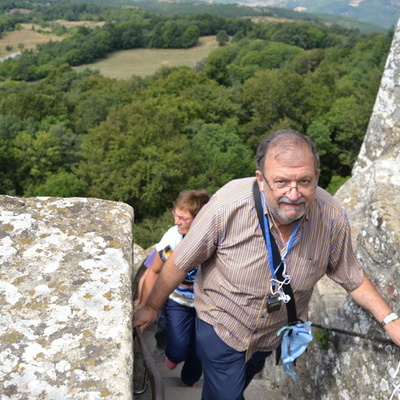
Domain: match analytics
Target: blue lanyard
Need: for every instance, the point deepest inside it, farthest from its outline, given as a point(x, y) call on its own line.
point(269, 246)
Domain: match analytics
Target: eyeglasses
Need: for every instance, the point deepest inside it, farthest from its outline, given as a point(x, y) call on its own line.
point(305, 184)
point(180, 218)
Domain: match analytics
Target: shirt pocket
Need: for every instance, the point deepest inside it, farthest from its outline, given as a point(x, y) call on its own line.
point(305, 273)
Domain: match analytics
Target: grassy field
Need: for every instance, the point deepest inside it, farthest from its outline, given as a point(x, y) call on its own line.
point(120, 64)
point(27, 37)
point(30, 35)
point(144, 62)
point(70, 24)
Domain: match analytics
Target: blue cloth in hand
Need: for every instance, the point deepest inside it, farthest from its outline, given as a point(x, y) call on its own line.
point(295, 340)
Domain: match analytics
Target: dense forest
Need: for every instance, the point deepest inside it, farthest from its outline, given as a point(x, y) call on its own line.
point(143, 140)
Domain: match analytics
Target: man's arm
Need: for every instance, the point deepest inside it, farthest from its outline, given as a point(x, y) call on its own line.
point(368, 297)
point(168, 279)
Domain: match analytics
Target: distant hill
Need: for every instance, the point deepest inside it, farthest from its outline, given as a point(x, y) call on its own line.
point(384, 13)
point(366, 15)
point(248, 8)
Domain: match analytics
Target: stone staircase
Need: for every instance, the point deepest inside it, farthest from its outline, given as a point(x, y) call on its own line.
point(258, 389)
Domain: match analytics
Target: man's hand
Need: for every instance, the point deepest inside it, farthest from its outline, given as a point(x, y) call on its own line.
point(144, 317)
point(393, 330)
point(168, 279)
point(368, 297)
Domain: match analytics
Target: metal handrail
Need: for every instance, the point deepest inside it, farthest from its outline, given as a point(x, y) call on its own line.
point(355, 334)
point(157, 387)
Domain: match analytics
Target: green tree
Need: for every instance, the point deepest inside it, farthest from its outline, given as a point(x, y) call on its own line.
point(133, 35)
point(347, 121)
point(267, 54)
point(217, 155)
point(320, 134)
point(9, 127)
point(151, 229)
point(33, 102)
point(306, 61)
point(203, 98)
point(272, 96)
point(222, 38)
point(217, 63)
point(190, 36)
point(171, 35)
point(37, 157)
point(136, 155)
point(238, 36)
point(68, 142)
point(306, 36)
point(62, 184)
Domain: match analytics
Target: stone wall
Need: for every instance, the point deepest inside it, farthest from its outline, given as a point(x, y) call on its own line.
point(65, 299)
point(351, 367)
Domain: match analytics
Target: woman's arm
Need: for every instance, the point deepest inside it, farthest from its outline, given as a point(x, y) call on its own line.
point(151, 275)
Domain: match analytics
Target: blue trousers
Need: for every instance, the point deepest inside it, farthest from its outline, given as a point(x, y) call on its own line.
point(181, 340)
point(226, 374)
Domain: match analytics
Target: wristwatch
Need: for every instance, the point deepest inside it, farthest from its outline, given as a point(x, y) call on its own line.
point(391, 317)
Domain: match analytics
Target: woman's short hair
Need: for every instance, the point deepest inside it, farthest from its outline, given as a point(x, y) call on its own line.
point(192, 201)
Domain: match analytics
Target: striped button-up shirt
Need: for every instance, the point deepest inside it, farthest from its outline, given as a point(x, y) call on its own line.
point(234, 278)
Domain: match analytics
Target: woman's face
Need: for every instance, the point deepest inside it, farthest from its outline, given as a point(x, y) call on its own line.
point(183, 219)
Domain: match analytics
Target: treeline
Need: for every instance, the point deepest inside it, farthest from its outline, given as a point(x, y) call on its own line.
point(188, 8)
point(130, 29)
point(141, 30)
point(240, 11)
point(143, 140)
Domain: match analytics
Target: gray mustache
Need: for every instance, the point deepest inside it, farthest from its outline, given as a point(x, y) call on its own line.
point(287, 201)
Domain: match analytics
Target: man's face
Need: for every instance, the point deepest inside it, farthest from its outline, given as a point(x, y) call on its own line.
point(288, 182)
point(183, 219)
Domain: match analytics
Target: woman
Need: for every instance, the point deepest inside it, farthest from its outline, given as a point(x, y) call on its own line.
point(179, 309)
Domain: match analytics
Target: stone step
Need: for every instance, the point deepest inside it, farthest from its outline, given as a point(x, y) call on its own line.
point(173, 390)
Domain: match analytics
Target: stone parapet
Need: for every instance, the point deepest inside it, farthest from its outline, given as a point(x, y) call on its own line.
point(65, 299)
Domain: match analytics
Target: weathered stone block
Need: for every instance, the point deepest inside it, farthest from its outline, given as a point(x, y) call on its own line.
point(65, 299)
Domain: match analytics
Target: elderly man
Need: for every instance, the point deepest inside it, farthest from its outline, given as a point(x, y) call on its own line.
point(238, 292)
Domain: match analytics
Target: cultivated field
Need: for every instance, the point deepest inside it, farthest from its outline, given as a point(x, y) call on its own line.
point(144, 62)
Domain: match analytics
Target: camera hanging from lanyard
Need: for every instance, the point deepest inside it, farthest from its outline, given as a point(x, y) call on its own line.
point(273, 304)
